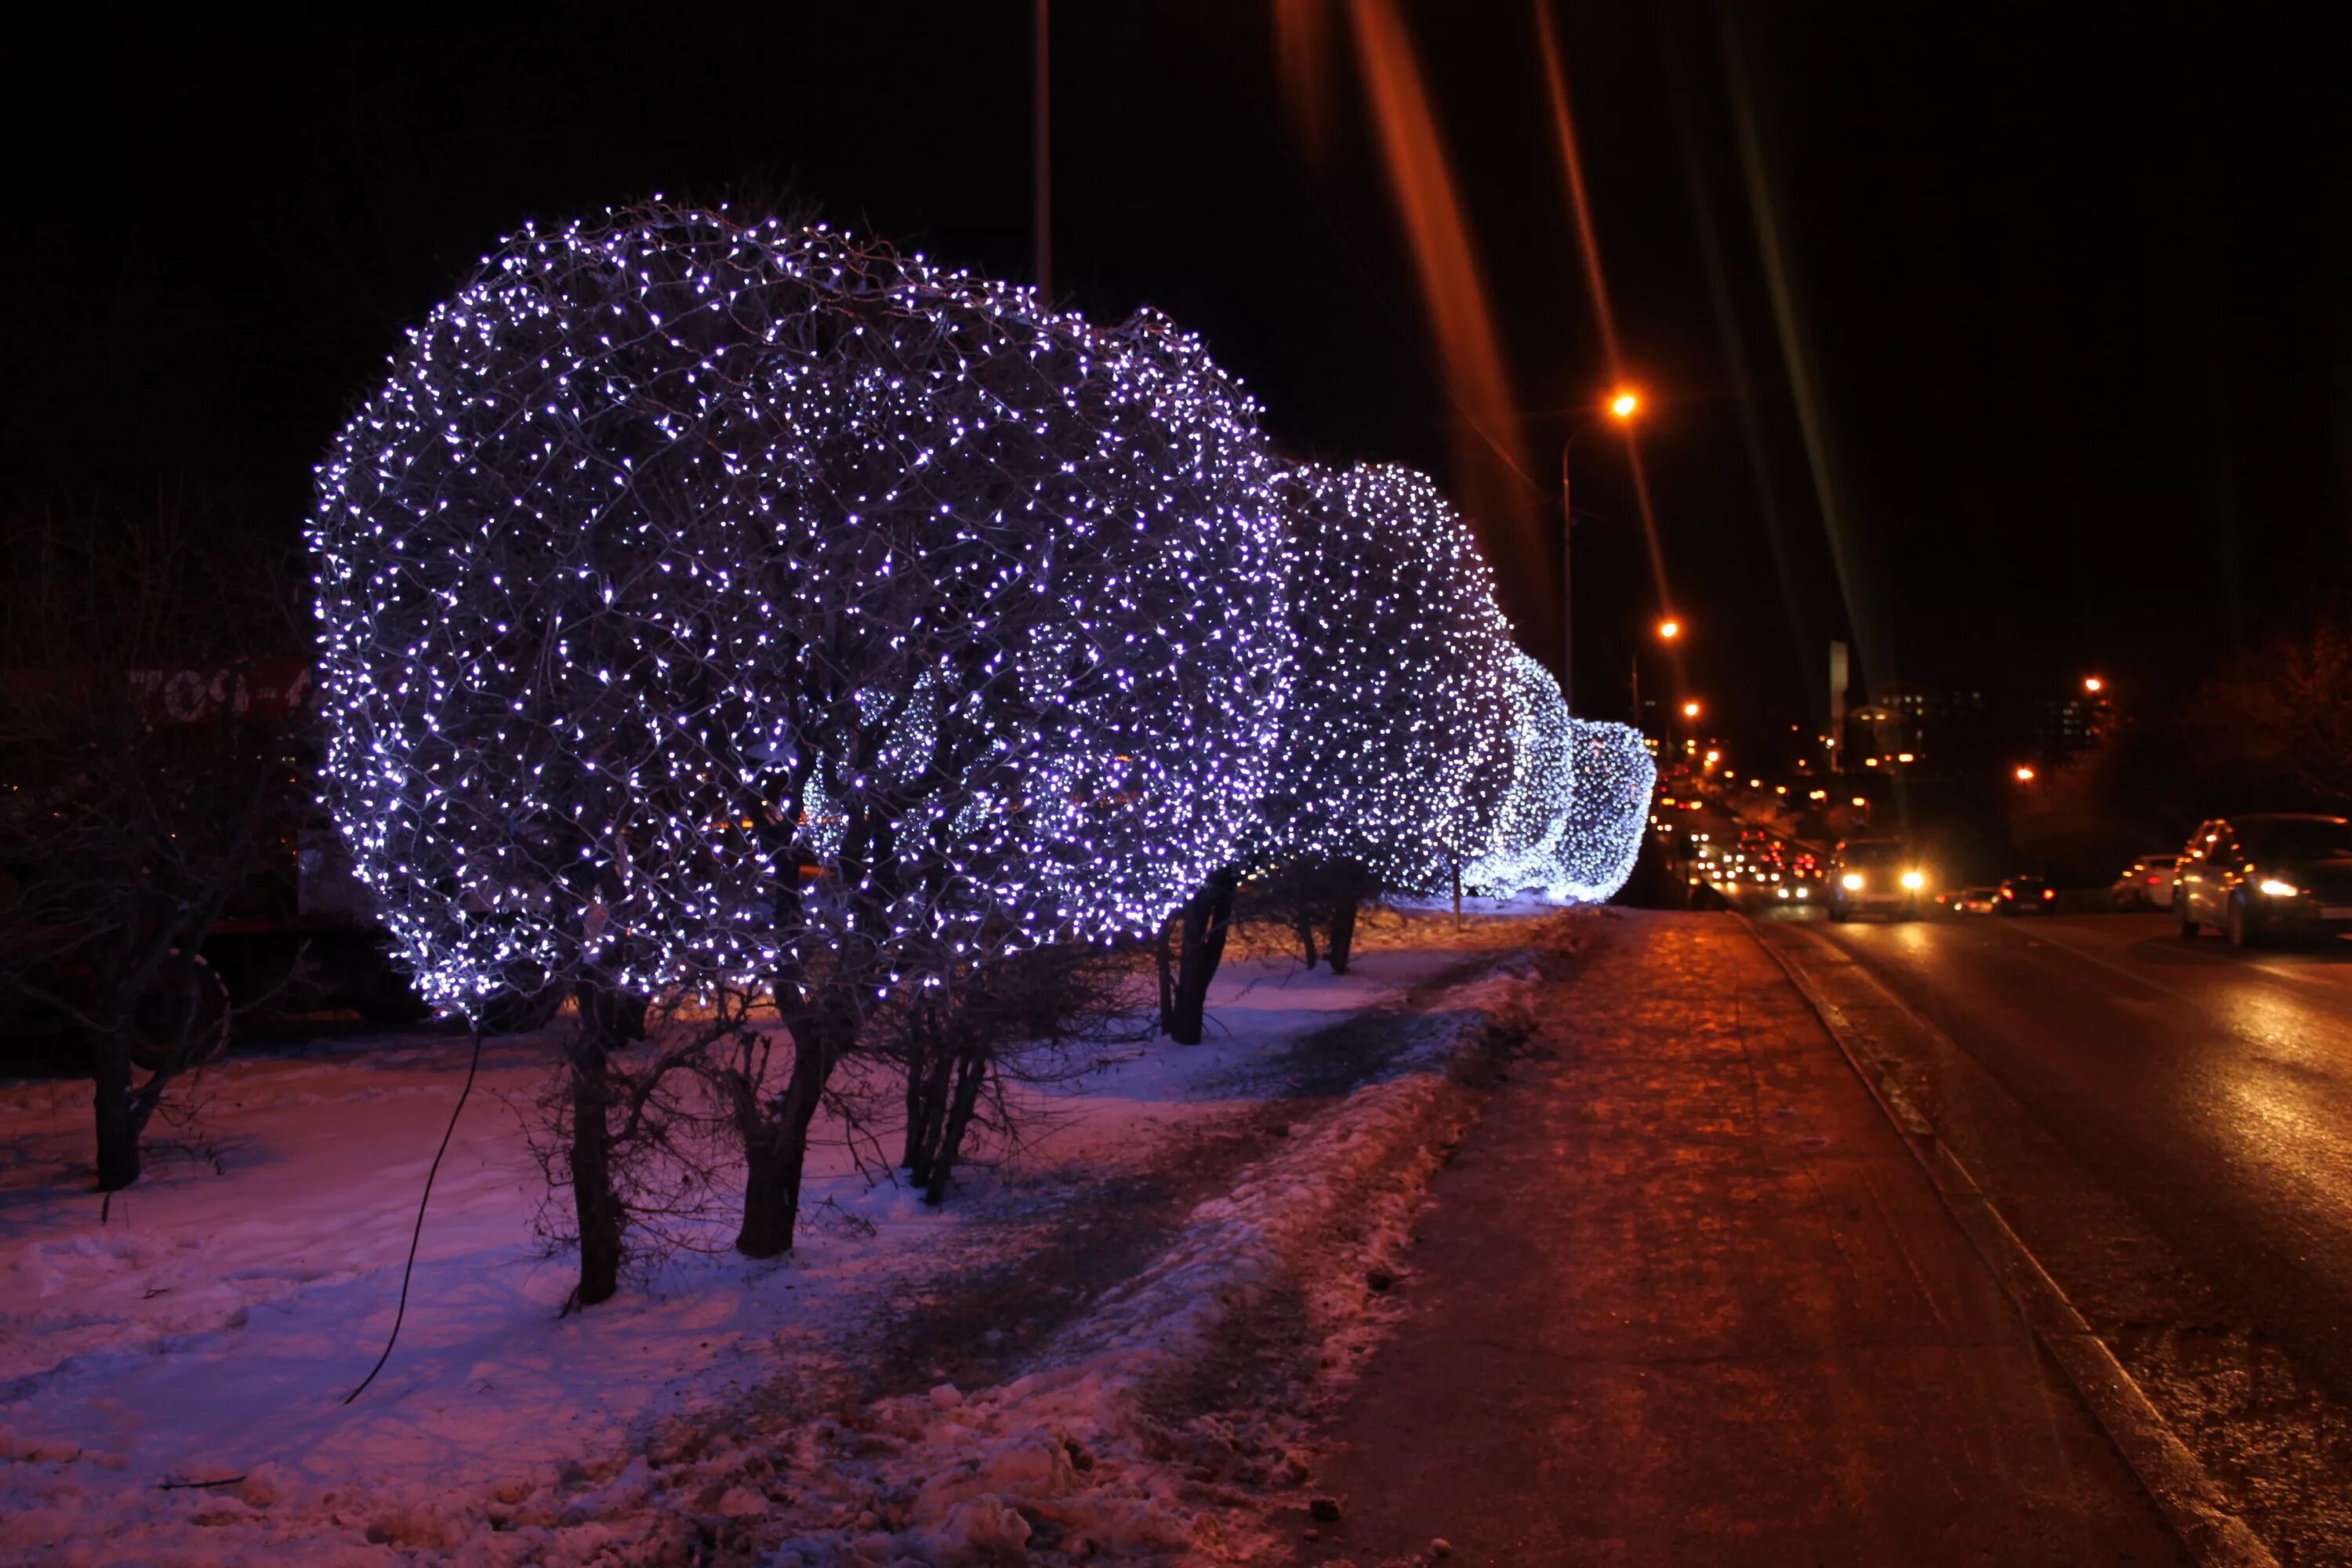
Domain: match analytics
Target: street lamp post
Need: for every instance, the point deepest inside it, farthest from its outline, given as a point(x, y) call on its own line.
point(1668, 630)
point(1567, 584)
point(1690, 723)
point(1622, 405)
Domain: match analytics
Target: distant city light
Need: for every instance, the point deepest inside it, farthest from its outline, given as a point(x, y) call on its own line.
point(2024, 774)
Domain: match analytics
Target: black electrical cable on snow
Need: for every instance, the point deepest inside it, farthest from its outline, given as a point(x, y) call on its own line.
point(414, 1235)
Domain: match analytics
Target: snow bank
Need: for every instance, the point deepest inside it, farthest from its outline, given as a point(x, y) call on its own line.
point(207, 1333)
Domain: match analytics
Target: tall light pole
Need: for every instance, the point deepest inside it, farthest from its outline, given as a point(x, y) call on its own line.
point(1622, 405)
point(1668, 630)
point(1040, 147)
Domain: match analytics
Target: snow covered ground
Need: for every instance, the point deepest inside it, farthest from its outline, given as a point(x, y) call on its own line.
point(208, 1330)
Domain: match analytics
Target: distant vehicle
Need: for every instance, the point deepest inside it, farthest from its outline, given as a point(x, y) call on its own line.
point(2268, 875)
point(1876, 875)
point(2024, 896)
point(1976, 900)
point(2147, 883)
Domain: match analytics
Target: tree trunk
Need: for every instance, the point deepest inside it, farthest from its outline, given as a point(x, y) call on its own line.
point(598, 1207)
point(919, 1096)
point(775, 1145)
point(927, 1109)
point(1167, 980)
point(1208, 915)
point(1302, 921)
point(116, 1107)
point(919, 1079)
point(1350, 899)
point(971, 1073)
point(771, 1190)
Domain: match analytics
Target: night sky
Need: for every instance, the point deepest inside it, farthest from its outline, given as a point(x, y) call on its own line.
point(2074, 290)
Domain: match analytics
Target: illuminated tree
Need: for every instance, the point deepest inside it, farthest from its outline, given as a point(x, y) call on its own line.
point(1536, 769)
point(1403, 693)
point(1576, 803)
point(1614, 777)
point(708, 605)
point(1395, 743)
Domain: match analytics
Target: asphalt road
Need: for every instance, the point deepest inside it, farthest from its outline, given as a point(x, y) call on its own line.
point(2209, 1087)
point(2167, 1123)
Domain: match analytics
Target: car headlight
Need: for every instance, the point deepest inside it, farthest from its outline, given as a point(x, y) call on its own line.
point(1915, 880)
point(2278, 889)
point(1804, 892)
point(1851, 882)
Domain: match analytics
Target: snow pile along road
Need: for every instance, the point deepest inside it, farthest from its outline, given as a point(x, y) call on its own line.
point(1104, 1448)
point(720, 1415)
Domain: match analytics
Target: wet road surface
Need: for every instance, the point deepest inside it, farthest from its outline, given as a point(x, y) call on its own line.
point(2210, 1088)
point(2168, 1124)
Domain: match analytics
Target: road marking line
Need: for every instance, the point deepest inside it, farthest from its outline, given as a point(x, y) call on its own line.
point(2195, 1509)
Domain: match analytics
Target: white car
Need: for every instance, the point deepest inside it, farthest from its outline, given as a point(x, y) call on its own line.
point(2148, 884)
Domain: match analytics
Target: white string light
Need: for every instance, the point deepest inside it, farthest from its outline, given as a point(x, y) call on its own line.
point(674, 553)
point(1401, 709)
point(1578, 800)
point(1524, 851)
point(1614, 777)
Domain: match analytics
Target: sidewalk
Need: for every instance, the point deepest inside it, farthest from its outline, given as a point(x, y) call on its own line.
point(1684, 1297)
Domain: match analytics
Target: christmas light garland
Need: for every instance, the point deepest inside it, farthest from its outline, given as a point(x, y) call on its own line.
point(1524, 851)
point(697, 598)
point(1614, 777)
point(1402, 706)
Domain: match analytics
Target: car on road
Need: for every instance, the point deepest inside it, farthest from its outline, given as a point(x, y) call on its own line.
point(2264, 875)
point(2147, 883)
point(1880, 876)
point(1976, 901)
point(2024, 896)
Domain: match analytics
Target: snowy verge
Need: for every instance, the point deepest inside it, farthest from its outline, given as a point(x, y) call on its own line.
point(1126, 1439)
point(602, 1472)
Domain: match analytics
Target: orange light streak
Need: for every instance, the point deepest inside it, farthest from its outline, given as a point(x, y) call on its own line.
point(1492, 468)
point(1596, 280)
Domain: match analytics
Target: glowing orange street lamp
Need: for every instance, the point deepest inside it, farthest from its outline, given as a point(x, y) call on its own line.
point(1670, 629)
point(1621, 407)
point(2024, 774)
point(1690, 710)
point(2093, 685)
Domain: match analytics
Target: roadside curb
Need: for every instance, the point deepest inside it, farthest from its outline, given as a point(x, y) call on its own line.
point(2175, 1480)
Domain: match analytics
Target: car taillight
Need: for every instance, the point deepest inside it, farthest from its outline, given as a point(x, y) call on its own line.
point(2049, 894)
point(2152, 881)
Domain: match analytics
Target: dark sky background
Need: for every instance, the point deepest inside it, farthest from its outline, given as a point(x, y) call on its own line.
point(2074, 285)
